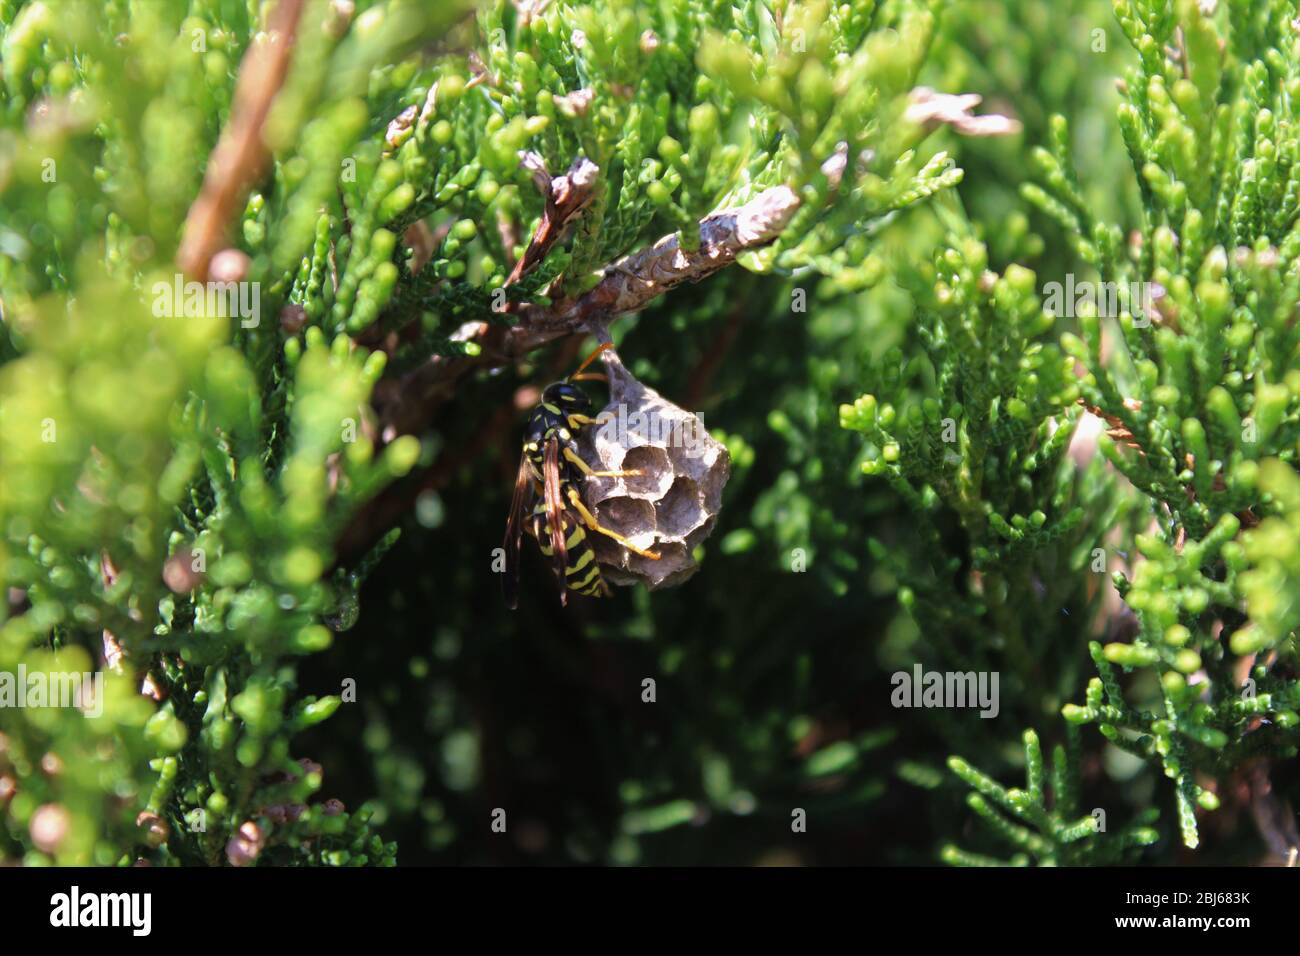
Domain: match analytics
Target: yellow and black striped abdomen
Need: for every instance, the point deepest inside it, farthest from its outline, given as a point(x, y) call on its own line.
point(581, 572)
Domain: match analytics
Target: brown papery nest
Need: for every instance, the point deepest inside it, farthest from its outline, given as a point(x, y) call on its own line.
point(673, 504)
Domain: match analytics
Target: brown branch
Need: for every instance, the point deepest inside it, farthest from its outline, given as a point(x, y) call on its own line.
point(627, 286)
point(633, 281)
point(566, 197)
point(1274, 818)
point(241, 155)
point(114, 654)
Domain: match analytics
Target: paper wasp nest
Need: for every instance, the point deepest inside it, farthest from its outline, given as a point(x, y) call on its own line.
point(673, 504)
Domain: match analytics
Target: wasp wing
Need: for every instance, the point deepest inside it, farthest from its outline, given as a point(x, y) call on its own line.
point(519, 503)
point(556, 513)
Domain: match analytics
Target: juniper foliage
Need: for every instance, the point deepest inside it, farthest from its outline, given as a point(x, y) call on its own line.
point(273, 530)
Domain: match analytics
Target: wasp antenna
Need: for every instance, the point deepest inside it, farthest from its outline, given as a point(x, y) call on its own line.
point(590, 358)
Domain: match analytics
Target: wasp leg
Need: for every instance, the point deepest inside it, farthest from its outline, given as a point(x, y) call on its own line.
point(583, 467)
point(590, 521)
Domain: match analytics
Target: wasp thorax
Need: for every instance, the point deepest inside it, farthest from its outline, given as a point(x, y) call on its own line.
point(567, 398)
point(672, 505)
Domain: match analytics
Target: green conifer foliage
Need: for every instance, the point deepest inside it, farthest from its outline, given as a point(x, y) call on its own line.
point(1200, 384)
point(278, 277)
point(176, 478)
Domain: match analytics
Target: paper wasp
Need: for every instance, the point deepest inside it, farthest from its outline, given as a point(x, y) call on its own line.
point(547, 499)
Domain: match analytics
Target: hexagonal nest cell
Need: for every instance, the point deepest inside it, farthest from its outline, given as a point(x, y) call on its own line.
point(672, 505)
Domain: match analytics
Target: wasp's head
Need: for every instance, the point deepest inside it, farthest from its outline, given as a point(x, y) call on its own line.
point(568, 398)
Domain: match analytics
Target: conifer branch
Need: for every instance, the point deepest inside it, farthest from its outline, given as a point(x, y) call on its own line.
point(240, 158)
point(627, 285)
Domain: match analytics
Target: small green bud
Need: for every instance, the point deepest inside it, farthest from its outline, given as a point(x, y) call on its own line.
point(703, 123)
point(1249, 640)
point(396, 202)
point(1076, 714)
point(1208, 736)
point(670, 149)
point(401, 455)
point(658, 193)
point(318, 711)
point(1130, 655)
point(166, 731)
point(450, 88)
point(310, 639)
